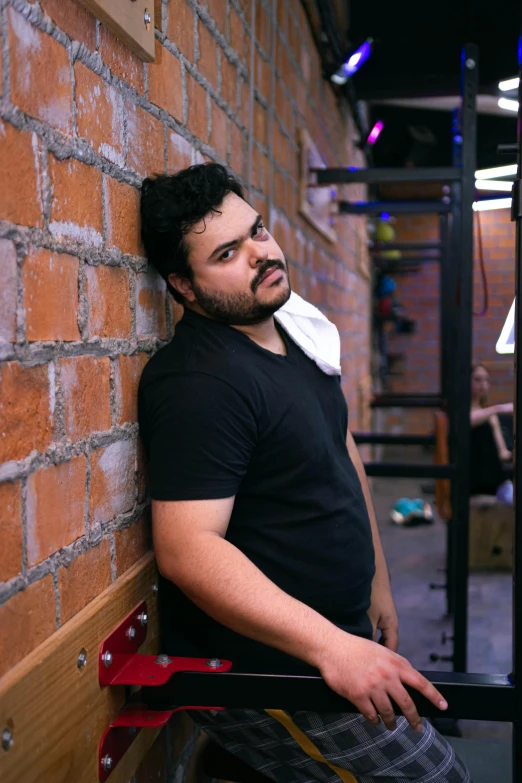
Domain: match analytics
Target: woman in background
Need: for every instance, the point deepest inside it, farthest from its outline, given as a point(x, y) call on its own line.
point(490, 457)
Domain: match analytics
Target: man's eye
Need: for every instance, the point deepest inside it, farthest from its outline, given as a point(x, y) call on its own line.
point(224, 256)
point(260, 229)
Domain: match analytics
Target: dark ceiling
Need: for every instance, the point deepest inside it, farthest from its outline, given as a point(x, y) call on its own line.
point(417, 54)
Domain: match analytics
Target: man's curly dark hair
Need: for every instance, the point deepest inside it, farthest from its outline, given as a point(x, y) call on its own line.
point(172, 205)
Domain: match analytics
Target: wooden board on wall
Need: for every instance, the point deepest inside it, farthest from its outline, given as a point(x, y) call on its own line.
point(56, 712)
point(132, 21)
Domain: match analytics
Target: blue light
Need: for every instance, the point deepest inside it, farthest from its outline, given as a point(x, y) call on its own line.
point(384, 216)
point(353, 63)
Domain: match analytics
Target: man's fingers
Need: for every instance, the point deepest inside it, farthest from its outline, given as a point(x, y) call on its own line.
point(405, 703)
point(385, 710)
point(367, 710)
point(424, 686)
point(391, 639)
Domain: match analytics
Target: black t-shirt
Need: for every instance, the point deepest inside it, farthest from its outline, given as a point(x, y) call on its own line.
point(221, 417)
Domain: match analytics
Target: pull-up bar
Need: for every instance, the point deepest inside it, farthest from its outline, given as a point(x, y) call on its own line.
point(396, 207)
point(377, 176)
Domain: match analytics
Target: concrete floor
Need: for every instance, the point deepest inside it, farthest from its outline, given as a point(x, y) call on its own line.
point(414, 557)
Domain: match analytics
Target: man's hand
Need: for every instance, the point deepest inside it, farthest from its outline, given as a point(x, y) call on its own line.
point(370, 676)
point(383, 616)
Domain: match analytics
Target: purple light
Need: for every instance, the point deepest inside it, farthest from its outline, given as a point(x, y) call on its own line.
point(375, 132)
point(357, 58)
point(384, 216)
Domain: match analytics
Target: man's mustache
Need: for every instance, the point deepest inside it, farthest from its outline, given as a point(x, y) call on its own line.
point(268, 265)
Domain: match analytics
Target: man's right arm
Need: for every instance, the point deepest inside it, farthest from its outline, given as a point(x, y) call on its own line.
point(192, 552)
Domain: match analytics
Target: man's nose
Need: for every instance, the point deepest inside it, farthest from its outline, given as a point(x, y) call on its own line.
point(257, 253)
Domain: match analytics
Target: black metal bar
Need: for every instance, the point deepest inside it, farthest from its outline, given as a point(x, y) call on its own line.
point(376, 247)
point(464, 355)
point(406, 261)
point(387, 438)
point(396, 207)
point(475, 696)
point(380, 175)
point(406, 470)
point(445, 304)
point(517, 580)
point(407, 401)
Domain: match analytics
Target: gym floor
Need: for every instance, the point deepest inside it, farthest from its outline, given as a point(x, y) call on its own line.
point(415, 557)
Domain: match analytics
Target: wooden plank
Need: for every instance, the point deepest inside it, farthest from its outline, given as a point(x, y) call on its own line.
point(126, 20)
point(58, 713)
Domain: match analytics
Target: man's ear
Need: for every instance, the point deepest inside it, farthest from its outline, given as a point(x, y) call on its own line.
point(183, 286)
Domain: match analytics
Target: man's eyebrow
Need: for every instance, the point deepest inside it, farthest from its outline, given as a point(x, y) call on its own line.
point(231, 242)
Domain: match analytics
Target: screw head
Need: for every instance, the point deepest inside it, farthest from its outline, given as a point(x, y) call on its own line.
point(131, 632)
point(143, 618)
point(214, 663)
point(82, 659)
point(106, 763)
point(147, 19)
point(7, 739)
point(163, 659)
point(107, 658)
point(470, 64)
point(154, 589)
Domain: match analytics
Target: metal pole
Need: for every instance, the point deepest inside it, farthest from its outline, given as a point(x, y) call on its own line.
point(464, 355)
point(516, 215)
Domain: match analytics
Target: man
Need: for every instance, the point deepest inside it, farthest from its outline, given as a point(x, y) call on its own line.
point(262, 519)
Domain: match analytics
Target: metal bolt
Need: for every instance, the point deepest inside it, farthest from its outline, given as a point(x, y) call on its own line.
point(107, 658)
point(147, 19)
point(143, 618)
point(7, 739)
point(106, 763)
point(470, 64)
point(131, 632)
point(82, 659)
point(214, 663)
point(163, 659)
point(154, 589)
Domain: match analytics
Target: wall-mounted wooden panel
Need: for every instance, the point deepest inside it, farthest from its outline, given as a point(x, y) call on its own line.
point(130, 20)
point(57, 712)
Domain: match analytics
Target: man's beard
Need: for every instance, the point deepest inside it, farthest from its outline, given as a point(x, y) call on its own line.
point(242, 309)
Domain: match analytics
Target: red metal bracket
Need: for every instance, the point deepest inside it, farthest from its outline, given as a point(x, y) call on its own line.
point(121, 664)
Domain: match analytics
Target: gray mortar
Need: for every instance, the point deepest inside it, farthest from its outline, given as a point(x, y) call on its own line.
point(112, 546)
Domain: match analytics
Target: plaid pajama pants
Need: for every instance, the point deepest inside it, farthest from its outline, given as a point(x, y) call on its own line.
point(311, 747)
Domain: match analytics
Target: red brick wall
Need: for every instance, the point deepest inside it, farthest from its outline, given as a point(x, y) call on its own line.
point(82, 120)
point(419, 294)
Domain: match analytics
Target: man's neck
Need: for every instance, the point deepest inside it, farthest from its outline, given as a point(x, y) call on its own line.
point(263, 334)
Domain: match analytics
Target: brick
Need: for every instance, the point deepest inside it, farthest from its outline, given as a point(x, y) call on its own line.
point(207, 62)
point(26, 620)
point(8, 292)
point(122, 217)
point(165, 88)
point(146, 148)
point(50, 283)
point(20, 200)
point(26, 409)
point(35, 55)
point(157, 14)
point(122, 62)
point(263, 76)
point(237, 34)
point(181, 27)
point(86, 390)
point(263, 27)
point(127, 375)
point(150, 306)
point(86, 577)
point(141, 473)
point(55, 508)
point(180, 153)
point(260, 124)
point(99, 113)
point(132, 543)
point(218, 11)
point(197, 121)
point(74, 20)
point(236, 145)
point(11, 526)
point(282, 17)
point(228, 82)
point(76, 205)
point(219, 135)
point(108, 293)
point(113, 489)
point(244, 103)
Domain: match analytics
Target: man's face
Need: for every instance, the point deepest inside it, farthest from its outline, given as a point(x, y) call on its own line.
point(239, 271)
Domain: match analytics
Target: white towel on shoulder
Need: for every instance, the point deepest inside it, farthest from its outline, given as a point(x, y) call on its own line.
point(317, 337)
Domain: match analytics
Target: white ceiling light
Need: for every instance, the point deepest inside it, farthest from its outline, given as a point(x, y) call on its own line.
point(508, 84)
point(498, 171)
point(494, 203)
point(507, 104)
point(493, 184)
point(506, 341)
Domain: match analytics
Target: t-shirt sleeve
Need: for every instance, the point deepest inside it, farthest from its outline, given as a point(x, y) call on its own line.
point(199, 435)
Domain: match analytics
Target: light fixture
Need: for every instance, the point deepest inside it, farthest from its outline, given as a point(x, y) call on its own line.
point(506, 341)
point(375, 132)
point(507, 104)
point(493, 184)
point(493, 203)
point(498, 171)
point(353, 63)
point(509, 84)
